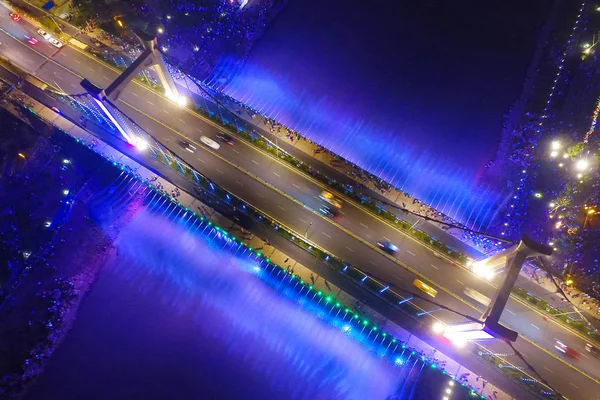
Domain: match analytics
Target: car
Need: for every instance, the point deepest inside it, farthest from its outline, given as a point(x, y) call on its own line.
point(32, 41)
point(15, 17)
point(419, 284)
point(44, 34)
point(65, 16)
point(566, 350)
point(225, 138)
point(329, 198)
point(592, 349)
point(328, 212)
point(54, 42)
point(210, 143)
point(187, 146)
point(388, 247)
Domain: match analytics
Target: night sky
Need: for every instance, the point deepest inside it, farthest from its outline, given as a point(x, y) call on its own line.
point(422, 85)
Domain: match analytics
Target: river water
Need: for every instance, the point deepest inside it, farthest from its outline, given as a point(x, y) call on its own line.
point(183, 312)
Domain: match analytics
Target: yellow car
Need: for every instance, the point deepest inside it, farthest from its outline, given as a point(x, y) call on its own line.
point(425, 287)
point(330, 198)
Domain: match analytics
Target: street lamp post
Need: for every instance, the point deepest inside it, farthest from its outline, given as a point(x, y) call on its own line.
point(587, 215)
point(307, 228)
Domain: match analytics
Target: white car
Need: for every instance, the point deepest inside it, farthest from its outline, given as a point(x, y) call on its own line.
point(210, 143)
point(44, 34)
point(54, 42)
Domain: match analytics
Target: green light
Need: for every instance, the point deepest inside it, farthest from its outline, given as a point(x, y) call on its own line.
point(394, 340)
point(347, 310)
point(310, 287)
point(356, 316)
point(302, 281)
point(374, 328)
point(384, 334)
point(258, 253)
point(319, 293)
point(337, 304)
point(365, 322)
point(328, 299)
point(268, 260)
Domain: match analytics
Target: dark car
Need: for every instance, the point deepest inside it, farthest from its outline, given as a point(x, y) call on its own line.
point(225, 138)
point(388, 247)
point(328, 211)
point(592, 349)
point(187, 145)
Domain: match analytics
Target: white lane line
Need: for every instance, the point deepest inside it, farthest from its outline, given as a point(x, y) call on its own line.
point(91, 69)
point(364, 225)
point(389, 240)
point(276, 174)
point(136, 95)
point(433, 266)
point(281, 208)
point(411, 253)
point(510, 311)
point(350, 249)
point(218, 170)
point(239, 183)
point(574, 385)
point(535, 326)
point(182, 120)
point(201, 160)
point(165, 111)
point(306, 222)
point(260, 195)
point(548, 369)
point(106, 77)
point(77, 61)
point(254, 162)
point(149, 102)
point(371, 262)
point(293, 184)
point(235, 151)
point(199, 130)
point(74, 85)
point(459, 282)
point(324, 234)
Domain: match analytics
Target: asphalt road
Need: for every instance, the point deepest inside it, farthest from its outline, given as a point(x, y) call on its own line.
point(348, 237)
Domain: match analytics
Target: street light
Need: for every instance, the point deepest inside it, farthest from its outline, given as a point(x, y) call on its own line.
point(555, 145)
point(582, 164)
point(587, 215)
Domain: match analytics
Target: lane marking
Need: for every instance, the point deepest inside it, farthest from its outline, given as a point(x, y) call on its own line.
point(136, 95)
point(510, 311)
point(201, 160)
point(77, 61)
point(350, 249)
point(364, 225)
point(218, 170)
point(411, 253)
point(276, 174)
point(149, 102)
point(91, 69)
point(293, 184)
point(576, 387)
point(235, 151)
point(548, 369)
point(324, 234)
point(459, 282)
point(254, 162)
point(371, 262)
point(182, 120)
point(434, 266)
point(106, 77)
point(199, 130)
point(260, 195)
point(389, 240)
point(306, 222)
point(281, 208)
point(239, 183)
point(165, 111)
point(535, 326)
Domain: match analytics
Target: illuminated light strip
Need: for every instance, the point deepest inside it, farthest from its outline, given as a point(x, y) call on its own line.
point(594, 122)
point(114, 121)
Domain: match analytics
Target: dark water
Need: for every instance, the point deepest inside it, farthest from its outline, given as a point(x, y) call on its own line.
point(414, 92)
point(182, 312)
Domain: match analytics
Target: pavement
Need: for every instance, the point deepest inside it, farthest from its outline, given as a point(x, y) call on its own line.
point(292, 198)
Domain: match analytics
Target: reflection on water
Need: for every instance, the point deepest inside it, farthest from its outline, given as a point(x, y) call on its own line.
point(181, 312)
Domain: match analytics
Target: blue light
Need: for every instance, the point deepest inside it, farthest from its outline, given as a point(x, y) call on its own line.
point(364, 279)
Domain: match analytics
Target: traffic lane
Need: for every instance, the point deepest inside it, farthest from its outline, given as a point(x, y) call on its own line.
point(16, 51)
point(23, 31)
